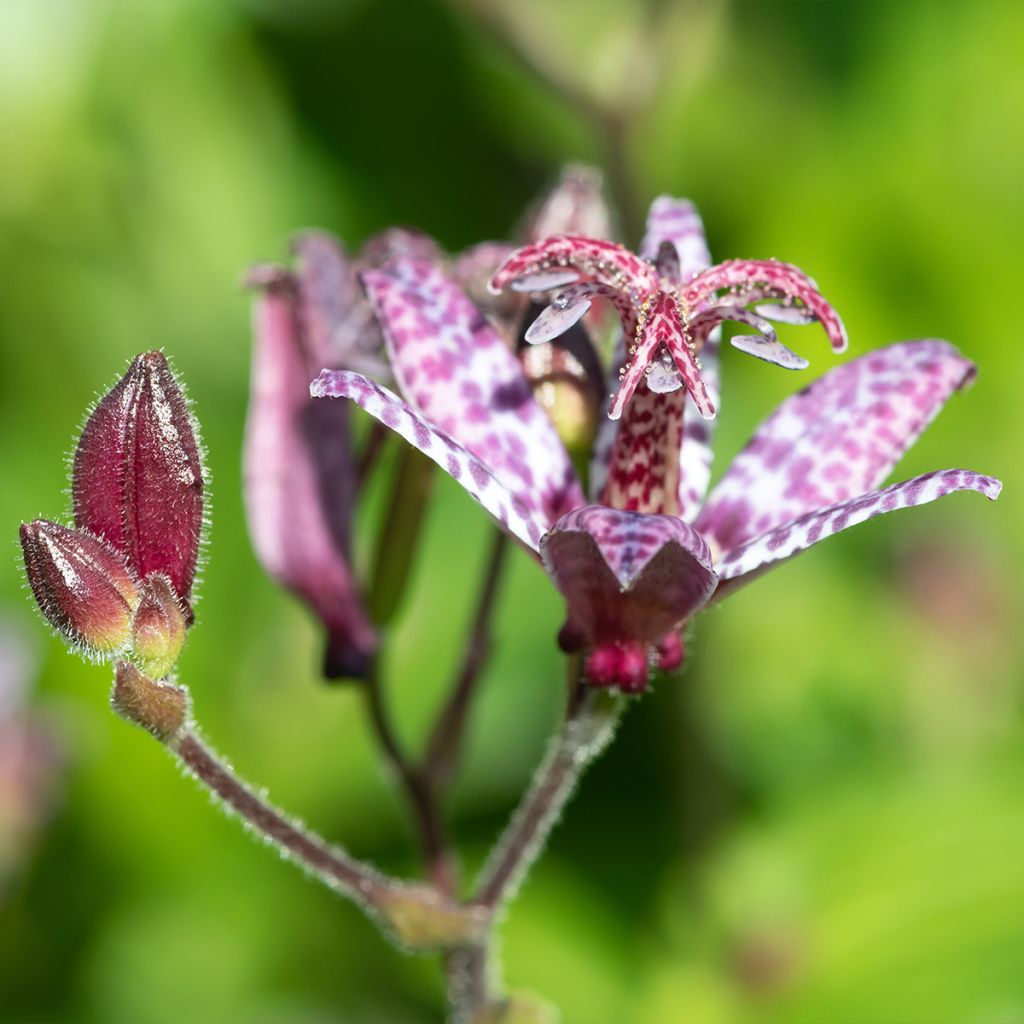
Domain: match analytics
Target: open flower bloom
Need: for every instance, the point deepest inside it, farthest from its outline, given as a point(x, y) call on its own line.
point(649, 551)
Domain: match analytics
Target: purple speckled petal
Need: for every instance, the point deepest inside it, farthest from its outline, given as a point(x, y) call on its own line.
point(836, 439)
point(334, 318)
point(677, 221)
point(327, 296)
point(525, 523)
point(454, 369)
point(786, 540)
point(575, 206)
point(627, 576)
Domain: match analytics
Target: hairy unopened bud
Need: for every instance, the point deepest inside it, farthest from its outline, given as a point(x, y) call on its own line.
point(138, 475)
point(159, 708)
point(421, 920)
point(82, 585)
point(158, 629)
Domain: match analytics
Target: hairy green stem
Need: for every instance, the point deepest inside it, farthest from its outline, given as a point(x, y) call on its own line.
point(588, 727)
point(333, 866)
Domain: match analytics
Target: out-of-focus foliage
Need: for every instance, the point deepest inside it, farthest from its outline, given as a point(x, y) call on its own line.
point(822, 820)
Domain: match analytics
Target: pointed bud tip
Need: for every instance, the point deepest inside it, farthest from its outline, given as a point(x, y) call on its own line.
point(158, 628)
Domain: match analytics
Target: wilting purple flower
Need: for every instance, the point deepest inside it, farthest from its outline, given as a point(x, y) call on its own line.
point(300, 478)
point(644, 560)
point(82, 584)
point(138, 476)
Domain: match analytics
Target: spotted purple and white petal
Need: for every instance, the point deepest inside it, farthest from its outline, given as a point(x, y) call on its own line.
point(628, 580)
point(471, 270)
point(677, 221)
point(836, 439)
point(786, 540)
point(522, 522)
point(575, 206)
point(455, 370)
point(299, 472)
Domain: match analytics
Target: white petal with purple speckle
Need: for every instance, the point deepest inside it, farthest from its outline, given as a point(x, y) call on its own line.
point(786, 540)
point(836, 439)
point(455, 370)
point(526, 524)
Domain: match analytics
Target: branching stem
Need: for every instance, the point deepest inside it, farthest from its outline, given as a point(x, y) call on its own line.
point(445, 743)
point(333, 866)
point(431, 828)
point(588, 727)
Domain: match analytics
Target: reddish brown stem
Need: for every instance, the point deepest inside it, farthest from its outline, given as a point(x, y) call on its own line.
point(445, 744)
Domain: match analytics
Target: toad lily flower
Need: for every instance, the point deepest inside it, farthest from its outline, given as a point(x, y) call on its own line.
point(649, 552)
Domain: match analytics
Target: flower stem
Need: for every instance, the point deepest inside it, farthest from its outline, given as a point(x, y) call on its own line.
point(589, 725)
point(430, 825)
point(333, 866)
point(445, 743)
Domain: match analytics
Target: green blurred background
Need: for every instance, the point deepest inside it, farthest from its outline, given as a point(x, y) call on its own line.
point(823, 819)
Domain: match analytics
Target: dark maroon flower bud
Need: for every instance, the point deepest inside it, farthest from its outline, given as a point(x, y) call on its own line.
point(138, 474)
point(82, 585)
point(158, 629)
point(300, 480)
